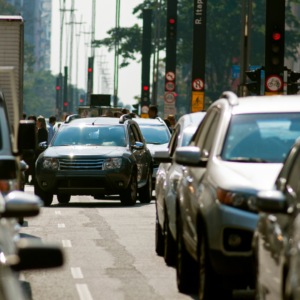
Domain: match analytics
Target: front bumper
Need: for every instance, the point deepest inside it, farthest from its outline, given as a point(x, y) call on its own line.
point(77, 182)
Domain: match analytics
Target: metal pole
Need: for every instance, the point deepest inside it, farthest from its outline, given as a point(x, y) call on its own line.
point(157, 56)
point(249, 26)
point(154, 79)
point(242, 54)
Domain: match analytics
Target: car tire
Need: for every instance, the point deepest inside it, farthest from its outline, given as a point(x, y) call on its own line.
point(145, 193)
point(63, 198)
point(129, 196)
point(186, 266)
point(169, 243)
point(46, 197)
point(210, 284)
point(159, 238)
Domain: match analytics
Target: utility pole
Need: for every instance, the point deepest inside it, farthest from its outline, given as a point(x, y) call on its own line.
point(154, 76)
point(158, 44)
point(116, 63)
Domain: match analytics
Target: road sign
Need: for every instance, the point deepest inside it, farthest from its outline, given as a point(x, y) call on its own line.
point(197, 101)
point(198, 84)
point(169, 97)
point(274, 83)
point(170, 76)
point(145, 109)
point(170, 86)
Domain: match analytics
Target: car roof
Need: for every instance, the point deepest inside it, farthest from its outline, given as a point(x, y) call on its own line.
point(95, 121)
point(142, 121)
point(267, 104)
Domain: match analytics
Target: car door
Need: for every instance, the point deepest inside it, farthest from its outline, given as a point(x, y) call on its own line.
point(137, 153)
point(276, 237)
point(192, 176)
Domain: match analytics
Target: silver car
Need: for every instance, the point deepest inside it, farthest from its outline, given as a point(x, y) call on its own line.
point(239, 148)
point(167, 178)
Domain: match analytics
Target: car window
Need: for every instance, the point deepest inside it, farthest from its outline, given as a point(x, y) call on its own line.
point(261, 137)
point(174, 141)
point(155, 134)
point(294, 177)
point(187, 135)
point(91, 136)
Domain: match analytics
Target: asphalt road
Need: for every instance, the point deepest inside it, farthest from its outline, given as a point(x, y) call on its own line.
point(109, 253)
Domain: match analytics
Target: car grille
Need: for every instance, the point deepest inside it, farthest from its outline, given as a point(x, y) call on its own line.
point(81, 163)
point(81, 183)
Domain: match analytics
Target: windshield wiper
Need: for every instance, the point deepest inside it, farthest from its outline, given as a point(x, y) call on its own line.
point(247, 159)
point(154, 143)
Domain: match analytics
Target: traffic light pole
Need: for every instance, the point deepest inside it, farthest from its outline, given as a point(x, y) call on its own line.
point(65, 108)
point(199, 53)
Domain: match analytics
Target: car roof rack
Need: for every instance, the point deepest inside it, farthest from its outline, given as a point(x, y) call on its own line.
point(159, 119)
point(124, 118)
point(231, 97)
point(72, 117)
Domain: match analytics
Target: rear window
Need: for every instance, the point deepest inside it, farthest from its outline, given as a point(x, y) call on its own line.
point(155, 134)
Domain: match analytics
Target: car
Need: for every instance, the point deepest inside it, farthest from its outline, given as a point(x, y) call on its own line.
point(239, 147)
point(157, 136)
point(167, 178)
point(96, 156)
point(276, 239)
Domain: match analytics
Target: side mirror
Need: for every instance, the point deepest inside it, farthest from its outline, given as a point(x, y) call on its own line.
point(43, 146)
point(20, 204)
point(271, 201)
point(27, 138)
point(23, 166)
point(138, 146)
point(35, 255)
point(189, 156)
point(162, 156)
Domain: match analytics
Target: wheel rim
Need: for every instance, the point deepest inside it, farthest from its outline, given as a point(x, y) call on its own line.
point(133, 188)
point(202, 268)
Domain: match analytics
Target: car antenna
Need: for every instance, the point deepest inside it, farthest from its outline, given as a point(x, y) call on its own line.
point(94, 122)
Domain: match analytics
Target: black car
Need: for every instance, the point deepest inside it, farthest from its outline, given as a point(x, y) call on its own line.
point(97, 157)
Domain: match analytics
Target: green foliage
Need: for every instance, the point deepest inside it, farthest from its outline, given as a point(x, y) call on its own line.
point(7, 9)
point(29, 59)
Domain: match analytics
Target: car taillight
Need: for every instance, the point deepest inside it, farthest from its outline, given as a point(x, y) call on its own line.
point(7, 186)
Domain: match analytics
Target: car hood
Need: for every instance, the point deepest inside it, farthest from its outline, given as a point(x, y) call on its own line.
point(152, 147)
point(232, 175)
point(84, 151)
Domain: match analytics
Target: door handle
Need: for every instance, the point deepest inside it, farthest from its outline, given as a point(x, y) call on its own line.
point(189, 179)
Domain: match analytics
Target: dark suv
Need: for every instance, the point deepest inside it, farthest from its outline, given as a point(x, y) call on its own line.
point(97, 157)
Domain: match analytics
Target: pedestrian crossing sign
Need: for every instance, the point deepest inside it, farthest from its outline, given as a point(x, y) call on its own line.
point(197, 101)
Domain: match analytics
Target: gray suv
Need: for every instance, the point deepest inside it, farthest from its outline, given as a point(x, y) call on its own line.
point(238, 149)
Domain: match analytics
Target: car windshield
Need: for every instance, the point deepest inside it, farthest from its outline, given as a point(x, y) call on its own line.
point(155, 134)
point(261, 137)
point(91, 136)
point(187, 135)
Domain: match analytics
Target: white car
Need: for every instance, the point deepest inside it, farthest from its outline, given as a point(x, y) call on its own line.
point(167, 178)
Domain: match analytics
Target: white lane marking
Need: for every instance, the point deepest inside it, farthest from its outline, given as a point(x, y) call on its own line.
point(84, 292)
point(76, 273)
point(61, 225)
point(66, 243)
point(57, 212)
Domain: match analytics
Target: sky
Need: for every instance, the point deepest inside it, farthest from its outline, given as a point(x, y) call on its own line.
point(129, 77)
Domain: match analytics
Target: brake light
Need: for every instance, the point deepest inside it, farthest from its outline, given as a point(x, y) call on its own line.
point(4, 186)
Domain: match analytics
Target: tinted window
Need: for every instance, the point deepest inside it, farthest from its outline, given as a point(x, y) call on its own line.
point(155, 134)
point(267, 137)
point(91, 136)
point(187, 135)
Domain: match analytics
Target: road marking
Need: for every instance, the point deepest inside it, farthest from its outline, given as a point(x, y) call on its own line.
point(66, 243)
point(84, 292)
point(57, 212)
point(61, 225)
point(76, 273)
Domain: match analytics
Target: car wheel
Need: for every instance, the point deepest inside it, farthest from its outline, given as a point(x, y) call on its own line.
point(159, 238)
point(63, 198)
point(210, 284)
point(128, 197)
point(169, 243)
point(186, 268)
point(145, 193)
point(46, 197)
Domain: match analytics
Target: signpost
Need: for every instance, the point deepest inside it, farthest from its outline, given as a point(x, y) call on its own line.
point(170, 76)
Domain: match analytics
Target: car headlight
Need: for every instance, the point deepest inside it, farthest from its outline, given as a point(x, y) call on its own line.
point(112, 163)
point(51, 163)
point(237, 200)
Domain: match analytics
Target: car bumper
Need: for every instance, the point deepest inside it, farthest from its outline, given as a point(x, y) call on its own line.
point(83, 182)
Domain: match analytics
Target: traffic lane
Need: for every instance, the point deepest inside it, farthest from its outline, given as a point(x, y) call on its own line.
point(112, 245)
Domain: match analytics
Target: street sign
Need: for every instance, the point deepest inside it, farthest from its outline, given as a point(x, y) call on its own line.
point(145, 109)
point(170, 76)
point(170, 86)
point(100, 100)
point(198, 84)
point(274, 83)
point(197, 101)
point(169, 97)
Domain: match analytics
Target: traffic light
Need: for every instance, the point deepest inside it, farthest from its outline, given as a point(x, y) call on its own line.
point(57, 93)
point(136, 108)
point(171, 28)
point(254, 86)
point(90, 79)
point(66, 104)
point(293, 85)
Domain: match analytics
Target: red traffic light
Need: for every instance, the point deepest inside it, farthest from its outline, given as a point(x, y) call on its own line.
point(172, 21)
point(65, 104)
point(57, 87)
point(90, 69)
point(146, 88)
point(81, 100)
point(175, 94)
point(276, 36)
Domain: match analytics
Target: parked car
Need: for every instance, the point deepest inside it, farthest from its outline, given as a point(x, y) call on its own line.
point(167, 178)
point(277, 237)
point(239, 147)
point(157, 136)
point(97, 157)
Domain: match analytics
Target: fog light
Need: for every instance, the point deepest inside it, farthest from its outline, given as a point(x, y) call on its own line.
point(121, 183)
point(234, 240)
point(44, 183)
